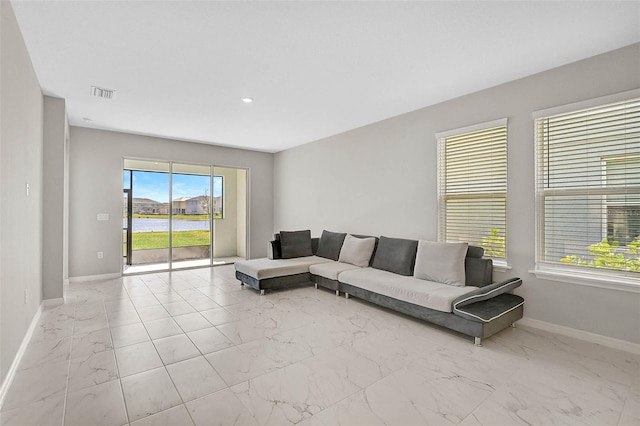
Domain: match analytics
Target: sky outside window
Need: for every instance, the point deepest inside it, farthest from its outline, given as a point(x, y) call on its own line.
point(155, 186)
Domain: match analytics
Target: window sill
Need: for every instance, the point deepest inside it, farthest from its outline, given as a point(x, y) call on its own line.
point(619, 283)
point(500, 265)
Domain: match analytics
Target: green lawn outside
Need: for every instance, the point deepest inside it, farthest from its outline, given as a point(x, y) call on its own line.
point(155, 240)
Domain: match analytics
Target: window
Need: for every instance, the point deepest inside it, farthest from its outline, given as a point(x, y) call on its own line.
point(588, 189)
point(622, 212)
point(217, 201)
point(472, 187)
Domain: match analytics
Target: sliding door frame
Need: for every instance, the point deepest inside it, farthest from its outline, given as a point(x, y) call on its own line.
point(212, 167)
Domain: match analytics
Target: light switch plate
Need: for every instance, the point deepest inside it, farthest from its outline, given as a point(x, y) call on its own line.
point(103, 216)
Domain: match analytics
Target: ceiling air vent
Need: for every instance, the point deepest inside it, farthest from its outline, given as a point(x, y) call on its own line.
point(101, 92)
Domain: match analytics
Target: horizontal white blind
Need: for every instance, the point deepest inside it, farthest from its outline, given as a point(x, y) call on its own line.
point(473, 189)
point(588, 188)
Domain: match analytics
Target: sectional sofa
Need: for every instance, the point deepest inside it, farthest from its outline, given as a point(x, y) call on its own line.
point(448, 284)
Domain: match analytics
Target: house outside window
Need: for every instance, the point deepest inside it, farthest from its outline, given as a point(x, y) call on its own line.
point(472, 187)
point(588, 190)
point(622, 211)
point(623, 223)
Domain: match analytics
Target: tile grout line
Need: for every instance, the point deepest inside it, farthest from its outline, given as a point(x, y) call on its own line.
point(124, 399)
point(228, 386)
point(165, 366)
point(163, 363)
point(66, 391)
point(115, 359)
point(158, 353)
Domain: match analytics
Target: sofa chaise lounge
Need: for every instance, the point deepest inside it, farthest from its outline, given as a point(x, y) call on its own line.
point(448, 284)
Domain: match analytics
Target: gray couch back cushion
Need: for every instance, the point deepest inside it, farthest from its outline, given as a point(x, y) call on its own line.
point(295, 244)
point(475, 251)
point(478, 272)
point(396, 255)
point(330, 245)
point(276, 247)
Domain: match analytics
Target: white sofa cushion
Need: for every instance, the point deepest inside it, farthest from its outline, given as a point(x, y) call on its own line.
point(270, 268)
point(441, 262)
point(357, 251)
point(424, 293)
point(331, 270)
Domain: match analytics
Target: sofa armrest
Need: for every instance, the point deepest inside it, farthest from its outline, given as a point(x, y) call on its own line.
point(490, 303)
point(487, 292)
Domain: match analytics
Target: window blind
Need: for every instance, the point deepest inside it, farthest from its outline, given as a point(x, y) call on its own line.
point(588, 188)
point(472, 188)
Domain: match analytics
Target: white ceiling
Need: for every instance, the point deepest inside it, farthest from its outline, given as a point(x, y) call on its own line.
point(315, 69)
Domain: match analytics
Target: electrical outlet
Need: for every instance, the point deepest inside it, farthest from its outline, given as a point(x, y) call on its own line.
point(100, 255)
point(27, 189)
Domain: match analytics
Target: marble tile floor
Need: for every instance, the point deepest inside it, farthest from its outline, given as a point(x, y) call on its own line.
point(195, 347)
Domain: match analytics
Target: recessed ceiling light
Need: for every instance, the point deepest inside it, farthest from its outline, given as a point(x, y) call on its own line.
point(86, 120)
point(247, 100)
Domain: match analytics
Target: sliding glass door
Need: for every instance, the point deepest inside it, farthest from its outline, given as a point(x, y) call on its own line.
point(190, 215)
point(148, 224)
point(178, 215)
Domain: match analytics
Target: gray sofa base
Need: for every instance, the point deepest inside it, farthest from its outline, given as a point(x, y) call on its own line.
point(508, 311)
point(286, 281)
point(325, 282)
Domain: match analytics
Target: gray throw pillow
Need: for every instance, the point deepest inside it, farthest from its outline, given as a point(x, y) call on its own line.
point(374, 247)
point(330, 245)
point(295, 244)
point(441, 262)
point(357, 251)
point(396, 255)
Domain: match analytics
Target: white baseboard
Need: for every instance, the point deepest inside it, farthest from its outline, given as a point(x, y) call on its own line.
point(6, 383)
point(610, 342)
point(94, 277)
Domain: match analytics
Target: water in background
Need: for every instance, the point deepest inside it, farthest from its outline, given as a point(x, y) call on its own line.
point(162, 225)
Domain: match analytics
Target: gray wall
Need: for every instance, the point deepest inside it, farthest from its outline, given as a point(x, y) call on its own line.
point(241, 237)
point(381, 179)
point(55, 153)
point(225, 230)
point(96, 187)
point(20, 163)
